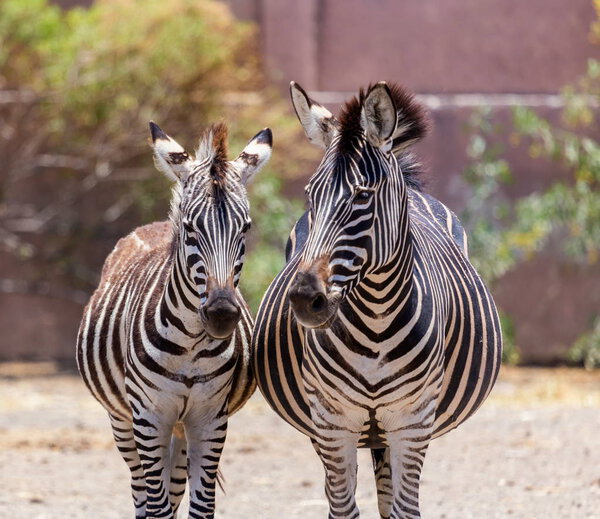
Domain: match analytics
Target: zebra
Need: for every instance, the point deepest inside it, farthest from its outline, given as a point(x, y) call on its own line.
point(378, 332)
point(164, 343)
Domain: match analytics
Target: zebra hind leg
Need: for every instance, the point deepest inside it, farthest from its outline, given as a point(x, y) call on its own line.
point(383, 480)
point(123, 435)
point(178, 467)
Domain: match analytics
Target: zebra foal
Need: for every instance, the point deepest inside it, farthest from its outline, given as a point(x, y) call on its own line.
point(378, 332)
point(164, 343)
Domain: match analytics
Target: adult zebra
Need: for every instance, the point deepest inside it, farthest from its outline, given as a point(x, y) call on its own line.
point(378, 332)
point(164, 344)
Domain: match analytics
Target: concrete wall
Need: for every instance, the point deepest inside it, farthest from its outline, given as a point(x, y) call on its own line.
point(433, 46)
point(459, 54)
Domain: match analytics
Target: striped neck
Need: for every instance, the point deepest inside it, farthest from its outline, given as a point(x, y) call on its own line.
point(176, 316)
point(387, 289)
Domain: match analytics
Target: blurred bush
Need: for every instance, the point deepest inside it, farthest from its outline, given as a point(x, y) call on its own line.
point(77, 89)
point(503, 233)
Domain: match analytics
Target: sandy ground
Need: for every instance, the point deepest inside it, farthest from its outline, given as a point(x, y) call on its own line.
point(532, 451)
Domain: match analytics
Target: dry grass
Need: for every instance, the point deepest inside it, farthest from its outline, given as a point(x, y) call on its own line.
point(546, 386)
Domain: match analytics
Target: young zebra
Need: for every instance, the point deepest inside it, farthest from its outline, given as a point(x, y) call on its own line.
point(378, 332)
point(164, 344)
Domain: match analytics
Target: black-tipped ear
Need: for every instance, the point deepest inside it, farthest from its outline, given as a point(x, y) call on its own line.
point(319, 124)
point(254, 156)
point(169, 156)
point(264, 137)
point(156, 132)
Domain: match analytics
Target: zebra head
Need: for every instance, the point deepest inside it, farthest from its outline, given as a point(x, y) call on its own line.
point(210, 215)
point(356, 197)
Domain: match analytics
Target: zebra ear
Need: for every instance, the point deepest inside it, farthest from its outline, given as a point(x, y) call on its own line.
point(378, 115)
point(319, 123)
point(169, 156)
point(254, 156)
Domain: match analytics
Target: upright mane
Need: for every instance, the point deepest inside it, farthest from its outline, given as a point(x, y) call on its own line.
point(213, 149)
point(412, 126)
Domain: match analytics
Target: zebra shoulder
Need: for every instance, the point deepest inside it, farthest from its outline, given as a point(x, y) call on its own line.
point(147, 239)
point(439, 213)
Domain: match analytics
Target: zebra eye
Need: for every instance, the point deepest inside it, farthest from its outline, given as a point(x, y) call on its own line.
point(246, 227)
point(362, 195)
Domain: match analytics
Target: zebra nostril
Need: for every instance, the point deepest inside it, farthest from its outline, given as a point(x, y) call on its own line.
point(319, 303)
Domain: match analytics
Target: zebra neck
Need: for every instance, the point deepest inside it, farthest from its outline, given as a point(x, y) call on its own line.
point(176, 316)
point(383, 293)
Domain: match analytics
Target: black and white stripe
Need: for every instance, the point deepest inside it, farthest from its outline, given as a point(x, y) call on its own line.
point(378, 332)
point(164, 344)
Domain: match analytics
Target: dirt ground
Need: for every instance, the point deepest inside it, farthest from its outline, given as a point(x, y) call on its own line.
point(531, 452)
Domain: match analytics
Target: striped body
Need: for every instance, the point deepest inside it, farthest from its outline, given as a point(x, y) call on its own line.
point(378, 332)
point(120, 339)
point(164, 343)
point(466, 355)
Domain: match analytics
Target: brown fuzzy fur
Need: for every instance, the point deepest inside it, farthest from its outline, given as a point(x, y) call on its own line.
point(411, 115)
point(218, 169)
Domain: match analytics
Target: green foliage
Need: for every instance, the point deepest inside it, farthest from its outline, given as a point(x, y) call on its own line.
point(510, 351)
point(272, 220)
point(504, 233)
point(586, 350)
point(85, 83)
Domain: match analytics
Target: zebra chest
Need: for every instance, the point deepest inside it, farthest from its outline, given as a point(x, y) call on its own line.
point(182, 366)
point(378, 374)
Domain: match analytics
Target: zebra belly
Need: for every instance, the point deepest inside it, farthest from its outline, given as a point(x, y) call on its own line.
point(101, 357)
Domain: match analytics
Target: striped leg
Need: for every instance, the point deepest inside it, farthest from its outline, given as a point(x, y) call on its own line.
point(178, 467)
point(123, 435)
point(383, 479)
point(338, 455)
point(205, 445)
point(407, 455)
point(152, 438)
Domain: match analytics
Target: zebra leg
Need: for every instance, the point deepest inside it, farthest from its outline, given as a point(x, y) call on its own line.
point(383, 479)
point(178, 467)
point(152, 438)
point(338, 456)
point(123, 435)
point(407, 455)
point(205, 445)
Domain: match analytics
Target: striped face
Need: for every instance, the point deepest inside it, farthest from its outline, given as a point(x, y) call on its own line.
point(355, 200)
point(210, 214)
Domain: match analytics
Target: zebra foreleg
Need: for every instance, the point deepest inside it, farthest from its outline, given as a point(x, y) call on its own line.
point(338, 456)
point(178, 467)
point(123, 435)
point(152, 437)
point(205, 445)
point(383, 480)
point(406, 461)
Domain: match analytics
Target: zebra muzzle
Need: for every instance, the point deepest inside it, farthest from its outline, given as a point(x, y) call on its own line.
point(221, 313)
point(311, 304)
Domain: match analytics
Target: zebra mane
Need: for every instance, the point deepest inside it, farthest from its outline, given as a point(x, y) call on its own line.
point(412, 126)
point(213, 150)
